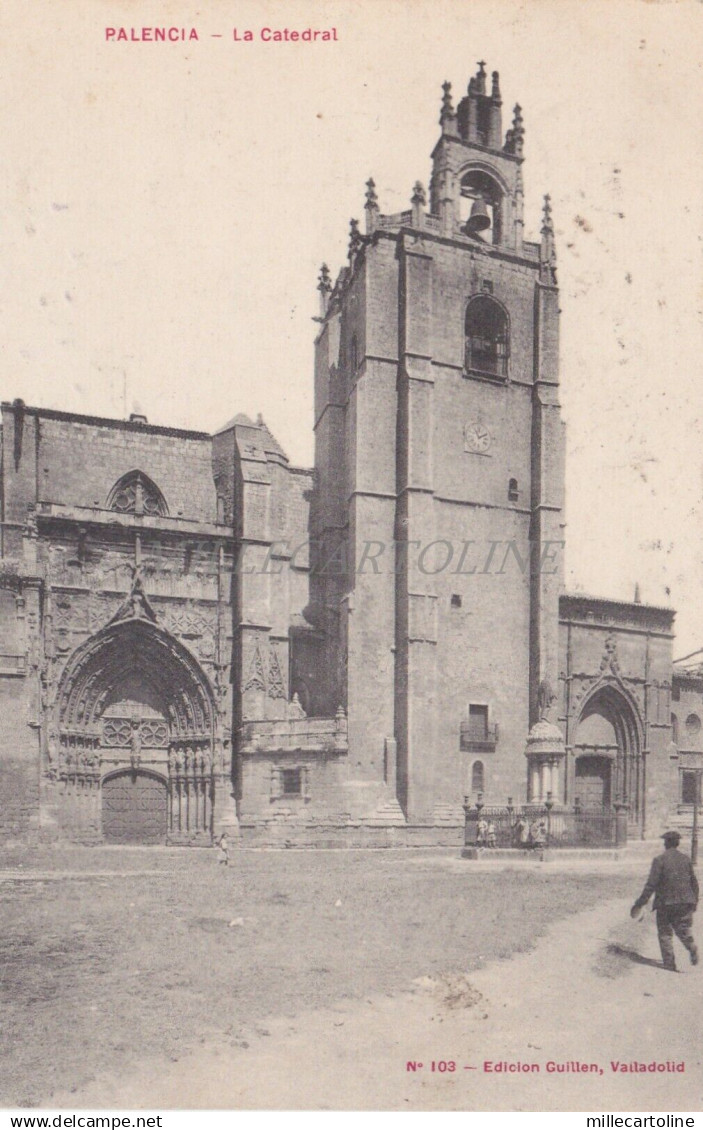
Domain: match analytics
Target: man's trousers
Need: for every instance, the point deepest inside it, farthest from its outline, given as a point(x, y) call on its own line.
point(675, 919)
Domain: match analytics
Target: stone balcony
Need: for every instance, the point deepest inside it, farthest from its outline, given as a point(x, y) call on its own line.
point(295, 736)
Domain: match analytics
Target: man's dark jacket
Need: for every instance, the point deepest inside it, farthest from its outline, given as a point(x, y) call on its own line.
point(672, 881)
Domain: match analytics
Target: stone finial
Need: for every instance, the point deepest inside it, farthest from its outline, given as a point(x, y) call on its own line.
point(418, 201)
point(518, 130)
point(495, 87)
point(418, 196)
point(447, 116)
point(324, 286)
point(638, 594)
point(371, 206)
point(547, 251)
point(324, 280)
point(515, 137)
point(547, 222)
point(480, 80)
point(447, 110)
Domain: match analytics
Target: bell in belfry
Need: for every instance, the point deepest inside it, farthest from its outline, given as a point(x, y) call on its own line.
point(479, 219)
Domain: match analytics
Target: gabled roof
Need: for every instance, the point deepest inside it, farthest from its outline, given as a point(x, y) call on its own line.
point(240, 420)
point(268, 441)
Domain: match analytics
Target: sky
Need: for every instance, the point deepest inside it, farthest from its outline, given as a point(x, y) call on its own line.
point(166, 208)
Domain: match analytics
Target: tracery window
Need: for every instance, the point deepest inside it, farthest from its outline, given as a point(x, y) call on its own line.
point(136, 494)
point(487, 340)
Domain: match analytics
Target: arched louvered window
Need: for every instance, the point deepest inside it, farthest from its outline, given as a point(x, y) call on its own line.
point(353, 354)
point(477, 777)
point(135, 493)
point(487, 338)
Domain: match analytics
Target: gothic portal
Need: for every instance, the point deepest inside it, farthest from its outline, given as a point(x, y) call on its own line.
point(132, 752)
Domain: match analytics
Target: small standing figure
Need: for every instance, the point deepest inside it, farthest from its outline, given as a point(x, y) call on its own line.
point(491, 834)
point(538, 833)
point(223, 850)
point(522, 833)
point(481, 833)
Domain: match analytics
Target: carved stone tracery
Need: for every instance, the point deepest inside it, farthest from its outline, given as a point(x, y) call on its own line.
point(276, 688)
point(256, 679)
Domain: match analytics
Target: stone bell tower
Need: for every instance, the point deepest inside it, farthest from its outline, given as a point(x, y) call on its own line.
point(439, 476)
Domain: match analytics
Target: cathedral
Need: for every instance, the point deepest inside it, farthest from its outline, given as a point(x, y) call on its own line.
point(200, 637)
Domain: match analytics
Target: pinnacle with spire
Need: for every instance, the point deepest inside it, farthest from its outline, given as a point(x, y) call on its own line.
point(324, 286)
point(515, 137)
point(547, 221)
point(547, 251)
point(371, 206)
point(447, 110)
point(324, 279)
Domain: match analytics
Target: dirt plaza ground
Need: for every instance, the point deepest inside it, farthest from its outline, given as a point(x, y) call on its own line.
point(130, 976)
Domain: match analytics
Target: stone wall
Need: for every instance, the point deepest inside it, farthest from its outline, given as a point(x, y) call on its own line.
point(178, 462)
point(19, 740)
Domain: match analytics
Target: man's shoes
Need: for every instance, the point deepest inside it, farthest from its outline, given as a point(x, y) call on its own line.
point(693, 954)
point(670, 966)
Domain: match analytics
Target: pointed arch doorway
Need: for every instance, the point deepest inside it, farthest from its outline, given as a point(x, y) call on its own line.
point(608, 764)
point(136, 737)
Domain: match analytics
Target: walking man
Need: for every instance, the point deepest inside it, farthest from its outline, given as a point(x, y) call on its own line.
point(673, 883)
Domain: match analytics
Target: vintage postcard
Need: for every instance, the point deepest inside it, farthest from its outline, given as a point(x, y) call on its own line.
point(351, 641)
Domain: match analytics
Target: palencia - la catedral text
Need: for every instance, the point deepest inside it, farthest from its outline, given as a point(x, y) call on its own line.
point(239, 35)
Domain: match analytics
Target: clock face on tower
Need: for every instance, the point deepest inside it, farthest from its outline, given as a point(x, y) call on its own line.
point(477, 437)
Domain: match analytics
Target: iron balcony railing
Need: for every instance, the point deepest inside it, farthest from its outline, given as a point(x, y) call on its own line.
point(477, 739)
